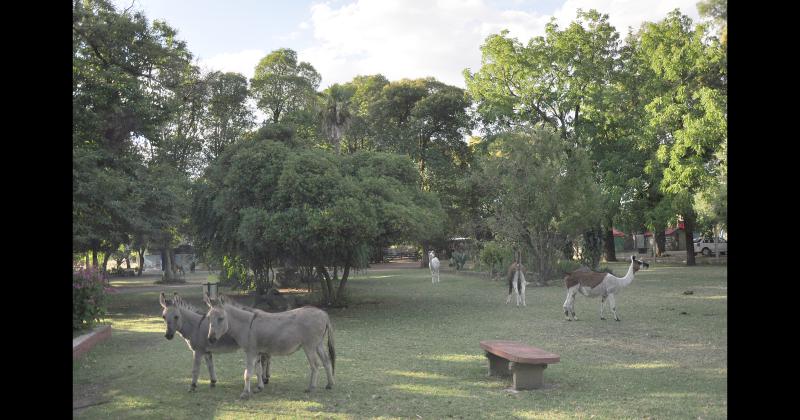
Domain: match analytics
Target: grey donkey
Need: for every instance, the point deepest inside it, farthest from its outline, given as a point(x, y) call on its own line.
point(192, 325)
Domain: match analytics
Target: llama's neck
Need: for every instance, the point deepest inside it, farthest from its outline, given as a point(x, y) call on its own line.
point(624, 281)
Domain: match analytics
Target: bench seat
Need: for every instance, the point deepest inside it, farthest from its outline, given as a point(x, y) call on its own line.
point(524, 363)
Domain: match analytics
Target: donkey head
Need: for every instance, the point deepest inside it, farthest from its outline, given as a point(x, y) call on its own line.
point(217, 319)
point(171, 314)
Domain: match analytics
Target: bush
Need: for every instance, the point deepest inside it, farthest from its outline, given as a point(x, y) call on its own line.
point(496, 257)
point(459, 259)
point(234, 274)
point(88, 297)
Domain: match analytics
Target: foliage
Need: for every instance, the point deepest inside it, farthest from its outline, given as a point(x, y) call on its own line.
point(546, 82)
point(281, 85)
point(234, 274)
point(136, 106)
point(335, 114)
point(542, 193)
point(88, 297)
point(459, 258)
point(228, 117)
point(496, 256)
point(266, 203)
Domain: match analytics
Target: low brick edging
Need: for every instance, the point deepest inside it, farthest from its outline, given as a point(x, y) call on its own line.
point(84, 343)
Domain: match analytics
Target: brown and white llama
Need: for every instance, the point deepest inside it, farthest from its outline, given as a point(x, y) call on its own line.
point(591, 283)
point(516, 282)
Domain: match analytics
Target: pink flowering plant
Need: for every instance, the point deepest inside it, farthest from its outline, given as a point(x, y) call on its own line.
point(88, 297)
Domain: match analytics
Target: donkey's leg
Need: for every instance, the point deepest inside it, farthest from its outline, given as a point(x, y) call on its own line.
point(249, 367)
point(326, 362)
point(258, 370)
point(265, 359)
point(311, 354)
point(198, 358)
point(613, 303)
point(211, 372)
point(522, 287)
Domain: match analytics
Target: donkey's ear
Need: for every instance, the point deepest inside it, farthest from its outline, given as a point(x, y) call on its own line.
point(207, 300)
point(162, 300)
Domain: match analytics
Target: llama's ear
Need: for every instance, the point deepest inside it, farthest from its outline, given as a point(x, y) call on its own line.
point(162, 300)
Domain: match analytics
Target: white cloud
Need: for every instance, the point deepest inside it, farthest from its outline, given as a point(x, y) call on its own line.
point(243, 62)
point(627, 13)
point(420, 38)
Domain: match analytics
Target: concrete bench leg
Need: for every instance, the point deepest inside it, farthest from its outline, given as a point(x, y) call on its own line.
point(497, 365)
point(527, 376)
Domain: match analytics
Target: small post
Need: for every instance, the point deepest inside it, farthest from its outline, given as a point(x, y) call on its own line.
point(211, 289)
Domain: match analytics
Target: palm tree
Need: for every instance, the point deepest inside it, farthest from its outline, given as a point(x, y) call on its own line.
point(335, 113)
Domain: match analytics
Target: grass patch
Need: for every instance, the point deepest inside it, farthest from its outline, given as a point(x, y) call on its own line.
point(416, 354)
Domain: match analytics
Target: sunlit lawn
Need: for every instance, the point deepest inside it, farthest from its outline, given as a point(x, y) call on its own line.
point(409, 349)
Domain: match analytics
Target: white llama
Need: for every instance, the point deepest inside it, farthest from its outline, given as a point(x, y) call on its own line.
point(433, 263)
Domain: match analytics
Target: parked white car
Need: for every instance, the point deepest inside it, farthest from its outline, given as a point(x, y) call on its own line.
point(708, 246)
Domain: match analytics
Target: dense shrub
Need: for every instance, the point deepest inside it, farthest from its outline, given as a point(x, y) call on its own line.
point(459, 259)
point(496, 257)
point(88, 297)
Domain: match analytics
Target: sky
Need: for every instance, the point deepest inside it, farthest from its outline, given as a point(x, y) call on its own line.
point(396, 38)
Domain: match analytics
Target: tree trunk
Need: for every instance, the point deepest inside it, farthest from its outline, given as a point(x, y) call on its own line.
point(105, 262)
point(688, 220)
point(423, 263)
point(660, 242)
point(325, 283)
point(611, 252)
point(340, 292)
point(128, 263)
point(94, 258)
point(87, 260)
point(166, 265)
point(141, 260)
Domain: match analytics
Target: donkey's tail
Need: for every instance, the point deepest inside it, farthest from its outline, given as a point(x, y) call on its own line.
point(331, 348)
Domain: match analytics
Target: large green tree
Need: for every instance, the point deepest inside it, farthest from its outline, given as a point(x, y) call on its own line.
point(569, 81)
point(228, 117)
point(687, 114)
point(268, 203)
point(282, 85)
point(541, 192)
point(125, 71)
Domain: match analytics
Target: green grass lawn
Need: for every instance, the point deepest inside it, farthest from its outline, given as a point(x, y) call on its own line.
point(409, 349)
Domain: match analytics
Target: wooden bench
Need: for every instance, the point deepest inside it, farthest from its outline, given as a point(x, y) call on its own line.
point(524, 363)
